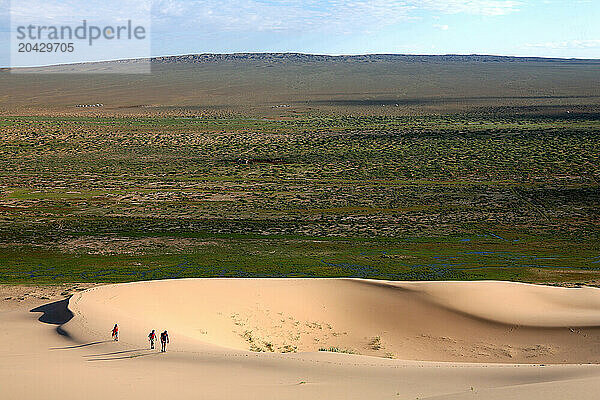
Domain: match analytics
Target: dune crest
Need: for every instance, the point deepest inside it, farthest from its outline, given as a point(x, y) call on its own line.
point(435, 321)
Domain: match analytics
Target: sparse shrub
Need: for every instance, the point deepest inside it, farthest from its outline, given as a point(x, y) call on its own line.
point(337, 350)
point(375, 343)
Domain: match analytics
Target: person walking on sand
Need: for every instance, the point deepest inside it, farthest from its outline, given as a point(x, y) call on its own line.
point(115, 333)
point(152, 338)
point(164, 339)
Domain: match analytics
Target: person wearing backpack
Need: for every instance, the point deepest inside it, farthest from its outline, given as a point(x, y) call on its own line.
point(152, 338)
point(115, 333)
point(164, 339)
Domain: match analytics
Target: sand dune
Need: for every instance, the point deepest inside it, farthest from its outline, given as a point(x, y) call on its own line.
point(498, 325)
point(453, 321)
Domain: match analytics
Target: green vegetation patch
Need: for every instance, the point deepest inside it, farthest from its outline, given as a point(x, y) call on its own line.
point(482, 195)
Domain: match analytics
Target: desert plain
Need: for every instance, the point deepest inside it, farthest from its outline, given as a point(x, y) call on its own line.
point(365, 227)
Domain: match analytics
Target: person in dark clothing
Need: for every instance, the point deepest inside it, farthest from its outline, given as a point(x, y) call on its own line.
point(152, 338)
point(164, 339)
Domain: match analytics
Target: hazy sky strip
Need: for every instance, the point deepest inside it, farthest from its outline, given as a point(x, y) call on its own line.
point(549, 28)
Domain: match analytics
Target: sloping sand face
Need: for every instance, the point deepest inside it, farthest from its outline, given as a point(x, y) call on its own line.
point(208, 357)
point(437, 321)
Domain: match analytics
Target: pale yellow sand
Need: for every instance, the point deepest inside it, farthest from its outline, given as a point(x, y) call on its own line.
point(214, 322)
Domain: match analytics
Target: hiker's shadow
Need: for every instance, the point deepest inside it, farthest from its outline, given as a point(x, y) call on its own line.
point(79, 345)
point(117, 352)
point(122, 355)
point(58, 313)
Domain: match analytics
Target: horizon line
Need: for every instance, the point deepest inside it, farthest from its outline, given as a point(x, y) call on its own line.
point(150, 58)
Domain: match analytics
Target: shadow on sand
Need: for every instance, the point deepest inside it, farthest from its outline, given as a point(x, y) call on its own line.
point(120, 356)
point(56, 313)
point(116, 352)
point(80, 345)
